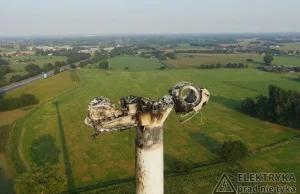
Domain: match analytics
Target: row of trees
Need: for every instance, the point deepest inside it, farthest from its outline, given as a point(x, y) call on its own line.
point(221, 51)
point(72, 54)
point(4, 68)
point(127, 50)
point(99, 56)
point(159, 54)
point(33, 70)
point(211, 66)
point(218, 65)
point(281, 106)
point(235, 65)
point(17, 102)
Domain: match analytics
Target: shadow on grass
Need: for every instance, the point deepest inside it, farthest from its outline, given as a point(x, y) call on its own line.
point(6, 185)
point(69, 173)
point(177, 165)
point(228, 102)
point(43, 150)
point(207, 142)
point(4, 136)
point(100, 185)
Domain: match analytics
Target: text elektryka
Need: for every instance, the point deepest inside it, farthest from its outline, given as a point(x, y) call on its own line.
point(266, 177)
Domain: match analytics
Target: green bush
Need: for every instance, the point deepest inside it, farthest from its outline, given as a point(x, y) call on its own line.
point(56, 70)
point(103, 64)
point(46, 179)
point(233, 151)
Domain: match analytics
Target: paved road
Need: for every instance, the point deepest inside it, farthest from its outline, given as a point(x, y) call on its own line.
point(35, 78)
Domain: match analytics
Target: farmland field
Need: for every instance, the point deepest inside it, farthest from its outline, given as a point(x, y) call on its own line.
point(134, 63)
point(111, 156)
point(38, 60)
point(201, 58)
point(295, 46)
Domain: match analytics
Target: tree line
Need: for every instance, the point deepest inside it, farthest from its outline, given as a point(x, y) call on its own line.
point(219, 65)
point(217, 51)
point(33, 70)
point(71, 54)
point(126, 50)
point(4, 68)
point(158, 54)
point(281, 106)
point(24, 100)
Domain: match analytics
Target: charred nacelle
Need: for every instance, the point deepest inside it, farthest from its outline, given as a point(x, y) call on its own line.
point(188, 97)
point(135, 111)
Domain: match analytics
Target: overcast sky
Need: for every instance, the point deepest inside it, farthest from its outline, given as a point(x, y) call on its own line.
point(62, 17)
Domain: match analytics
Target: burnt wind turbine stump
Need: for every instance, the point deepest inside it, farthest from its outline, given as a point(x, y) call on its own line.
point(147, 116)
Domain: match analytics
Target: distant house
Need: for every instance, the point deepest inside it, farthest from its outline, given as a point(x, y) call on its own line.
point(84, 51)
point(108, 49)
point(50, 54)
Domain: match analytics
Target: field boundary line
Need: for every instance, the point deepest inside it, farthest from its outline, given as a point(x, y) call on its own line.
point(275, 145)
point(164, 64)
point(245, 88)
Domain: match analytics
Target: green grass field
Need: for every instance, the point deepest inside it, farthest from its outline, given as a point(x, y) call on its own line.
point(283, 160)
point(39, 60)
point(207, 178)
point(111, 156)
point(201, 58)
point(134, 63)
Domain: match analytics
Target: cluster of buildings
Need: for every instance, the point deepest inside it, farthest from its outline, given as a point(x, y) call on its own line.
point(90, 49)
point(48, 48)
